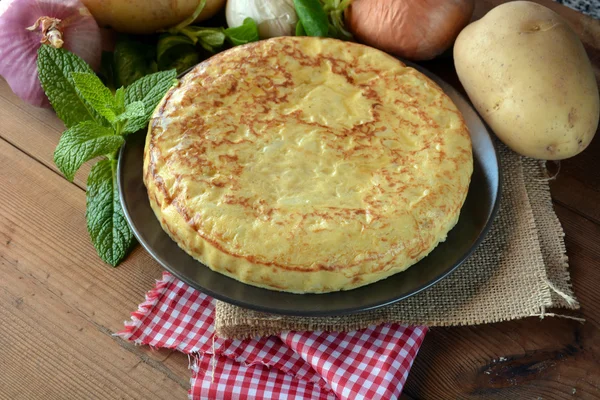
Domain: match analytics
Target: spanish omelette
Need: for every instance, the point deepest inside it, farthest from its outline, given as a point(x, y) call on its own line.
point(307, 165)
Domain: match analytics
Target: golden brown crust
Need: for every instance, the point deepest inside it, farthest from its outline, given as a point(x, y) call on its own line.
point(306, 164)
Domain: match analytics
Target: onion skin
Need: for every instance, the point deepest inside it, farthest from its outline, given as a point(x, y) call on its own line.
point(412, 29)
point(18, 46)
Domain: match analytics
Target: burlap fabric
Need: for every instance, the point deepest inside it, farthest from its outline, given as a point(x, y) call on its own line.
point(518, 271)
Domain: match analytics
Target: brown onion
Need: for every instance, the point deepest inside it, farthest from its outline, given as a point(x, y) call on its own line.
point(413, 29)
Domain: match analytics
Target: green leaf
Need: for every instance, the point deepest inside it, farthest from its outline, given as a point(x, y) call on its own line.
point(93, 91)
point(149, 90)
point(54, 70)
point(181, 61)
point(336, 25)
point(120, 98)
point(167, 42)
point(106, 222)
point(133, 60)
point(83, 142)
point(245, 33)
point(177, 52)
point(313, 17)
point(300, 29)
point(132, 110)
point(210, 39)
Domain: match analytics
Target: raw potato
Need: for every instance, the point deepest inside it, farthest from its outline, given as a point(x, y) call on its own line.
point(529, 77)
point(147, 16)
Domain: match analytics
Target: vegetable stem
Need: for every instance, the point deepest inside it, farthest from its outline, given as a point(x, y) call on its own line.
point(193, 37)
point(189, 19)
point(119, 128)
point(51, 34)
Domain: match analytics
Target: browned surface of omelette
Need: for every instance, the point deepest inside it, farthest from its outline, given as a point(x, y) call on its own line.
point(306, 164)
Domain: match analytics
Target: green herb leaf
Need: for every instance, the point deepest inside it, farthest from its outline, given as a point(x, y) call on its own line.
point(93, 91)
point(84, 142)
point(313, 17)
point(210, 39)
point(181, 60)
point(106, 222)
point(177, 52)
point(149, 90)
point(120, 98)
point(300, 29)
point(54, 70)
point(167, 42)
point(245, 33)
point(133, 60)
point(132, 110)
point(336, 25)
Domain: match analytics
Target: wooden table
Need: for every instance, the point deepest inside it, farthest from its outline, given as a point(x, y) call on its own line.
point(60, 305)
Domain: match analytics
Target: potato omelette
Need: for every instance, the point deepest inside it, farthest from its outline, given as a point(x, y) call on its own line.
point(307, 165)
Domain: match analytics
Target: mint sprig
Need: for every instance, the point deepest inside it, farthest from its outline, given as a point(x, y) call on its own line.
point(91, 89)
point(82, 143)
point(54, 71)
point(97, 122)
point(106, 222)
point(149, 90)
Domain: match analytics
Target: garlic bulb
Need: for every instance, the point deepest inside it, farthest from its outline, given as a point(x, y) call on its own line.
point(28, 24)
point(273, 17)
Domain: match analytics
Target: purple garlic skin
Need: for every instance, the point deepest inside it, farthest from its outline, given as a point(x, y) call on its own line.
point(25, 25)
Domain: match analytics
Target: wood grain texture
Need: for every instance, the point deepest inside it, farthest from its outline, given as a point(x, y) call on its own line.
point(528, 359)
point(35, 131)
point(60, 305)
point(531, 359)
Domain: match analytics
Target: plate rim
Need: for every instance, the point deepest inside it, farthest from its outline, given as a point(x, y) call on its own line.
point(343, 311)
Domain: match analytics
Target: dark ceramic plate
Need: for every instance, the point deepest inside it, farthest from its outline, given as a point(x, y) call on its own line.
point(475, 219)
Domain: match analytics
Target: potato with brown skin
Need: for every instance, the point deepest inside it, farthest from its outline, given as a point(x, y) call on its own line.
point(147, 16)
point(529, 77)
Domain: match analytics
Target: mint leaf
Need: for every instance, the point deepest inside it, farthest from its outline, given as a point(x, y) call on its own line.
point(150, 91)
point(132, 110)
point(83, 142)
point(120, 98)
point(313, 17)
point(54, 70)
point(106, 222)
point(245, 33)
point(93, 91)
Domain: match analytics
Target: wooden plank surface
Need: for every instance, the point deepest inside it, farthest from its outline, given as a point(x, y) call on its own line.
point(60, 305)
point(532, 359)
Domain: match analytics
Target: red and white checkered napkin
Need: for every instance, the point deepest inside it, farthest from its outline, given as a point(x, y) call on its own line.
point(372, 363)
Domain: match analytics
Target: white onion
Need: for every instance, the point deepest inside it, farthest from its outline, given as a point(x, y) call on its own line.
point(274, 17)
point(75, 27)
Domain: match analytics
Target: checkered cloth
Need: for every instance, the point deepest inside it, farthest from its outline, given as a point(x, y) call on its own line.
point(372, 363)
